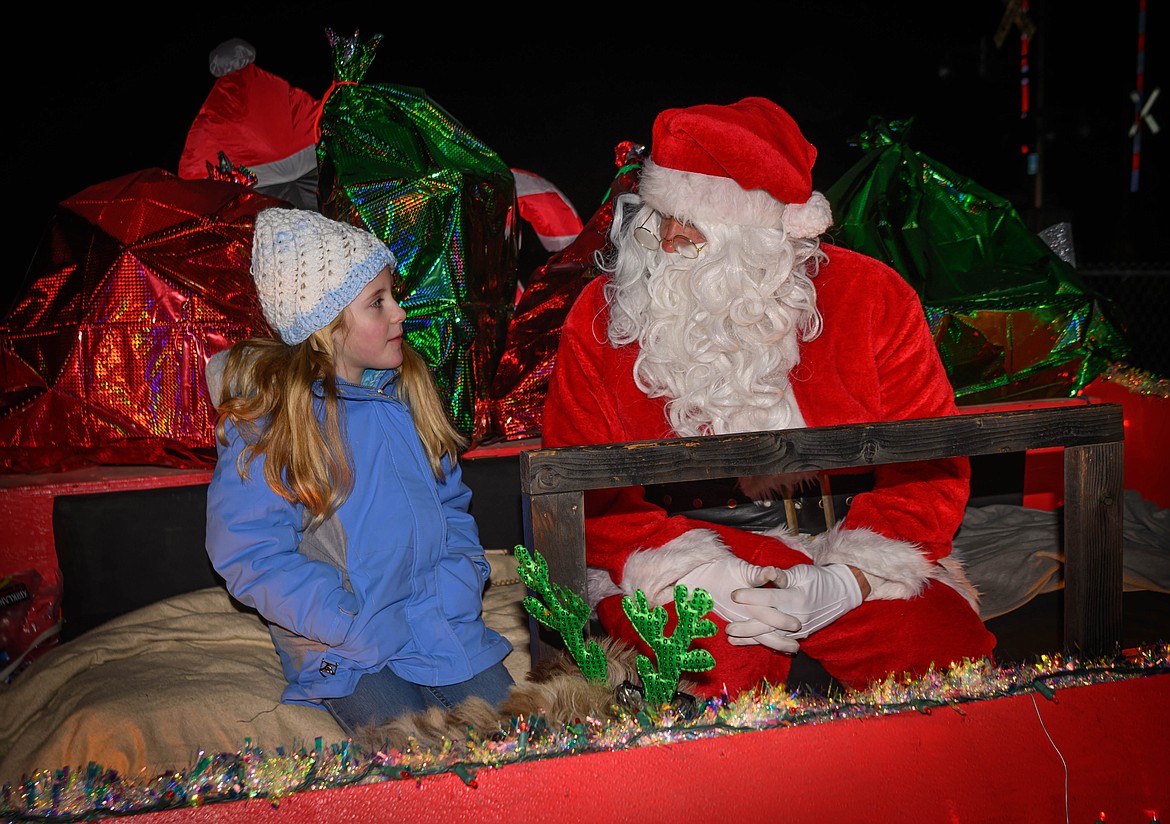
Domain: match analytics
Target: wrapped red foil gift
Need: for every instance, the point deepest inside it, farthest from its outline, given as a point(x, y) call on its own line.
point(138, 282)
point(516, 402)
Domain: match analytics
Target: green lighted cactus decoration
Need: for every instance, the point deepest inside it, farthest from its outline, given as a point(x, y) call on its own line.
point(564, 611)
point(672, 653)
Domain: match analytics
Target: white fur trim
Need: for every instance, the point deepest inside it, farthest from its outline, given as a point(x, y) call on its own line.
point(656, 571)
point(696, 198)
point(599, 586)
point(953, 574)
point(765, 488)
point(897, 570)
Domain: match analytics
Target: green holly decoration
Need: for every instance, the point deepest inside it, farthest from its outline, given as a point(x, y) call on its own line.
point(673, 652)
point(564, 611)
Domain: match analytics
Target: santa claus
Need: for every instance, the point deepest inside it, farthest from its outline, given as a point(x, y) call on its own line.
point(721, 311)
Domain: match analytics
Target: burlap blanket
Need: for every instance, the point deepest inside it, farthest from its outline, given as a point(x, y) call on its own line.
point(155, 689)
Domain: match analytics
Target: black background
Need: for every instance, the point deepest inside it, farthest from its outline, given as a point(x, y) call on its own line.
point(97, 95)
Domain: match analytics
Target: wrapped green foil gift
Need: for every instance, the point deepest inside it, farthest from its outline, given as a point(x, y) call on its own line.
point(1012, 319)
point(395, 162)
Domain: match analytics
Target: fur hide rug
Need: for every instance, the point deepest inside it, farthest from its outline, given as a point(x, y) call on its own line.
point(554, 691)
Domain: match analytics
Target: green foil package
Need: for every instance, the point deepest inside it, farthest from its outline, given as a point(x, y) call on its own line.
point(392, 160)
point(1011, 317)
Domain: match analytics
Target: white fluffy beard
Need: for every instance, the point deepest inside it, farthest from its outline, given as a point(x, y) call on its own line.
point(718, 335)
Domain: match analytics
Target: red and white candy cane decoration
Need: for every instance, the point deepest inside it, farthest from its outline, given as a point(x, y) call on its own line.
point(543, 205)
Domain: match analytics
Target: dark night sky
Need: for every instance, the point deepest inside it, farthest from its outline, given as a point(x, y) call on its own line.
point(105, 97)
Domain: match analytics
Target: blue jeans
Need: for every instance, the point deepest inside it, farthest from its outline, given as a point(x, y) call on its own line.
point(381, 696)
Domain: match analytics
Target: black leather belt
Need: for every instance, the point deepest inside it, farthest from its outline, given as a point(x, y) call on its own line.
point(721, 501)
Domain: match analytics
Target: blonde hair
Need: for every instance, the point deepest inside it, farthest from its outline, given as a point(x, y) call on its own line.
point(269, 397)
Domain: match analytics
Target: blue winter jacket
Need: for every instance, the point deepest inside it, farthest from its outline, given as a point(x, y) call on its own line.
point(395, 578)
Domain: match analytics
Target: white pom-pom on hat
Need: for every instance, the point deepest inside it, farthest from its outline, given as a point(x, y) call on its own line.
point(808, 219)
point(230, 56)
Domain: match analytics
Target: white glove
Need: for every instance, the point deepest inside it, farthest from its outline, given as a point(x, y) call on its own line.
point(721, 578)
point(815, 596)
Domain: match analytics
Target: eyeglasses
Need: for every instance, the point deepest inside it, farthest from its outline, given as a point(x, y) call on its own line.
point(681, 243)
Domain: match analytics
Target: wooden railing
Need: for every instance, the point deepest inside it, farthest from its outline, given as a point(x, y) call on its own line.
point(553, 482)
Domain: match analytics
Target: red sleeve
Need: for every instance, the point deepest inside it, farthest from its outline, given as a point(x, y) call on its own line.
point(888, 360)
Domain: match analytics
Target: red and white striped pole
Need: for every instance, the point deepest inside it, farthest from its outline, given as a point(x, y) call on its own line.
point(1141, 106)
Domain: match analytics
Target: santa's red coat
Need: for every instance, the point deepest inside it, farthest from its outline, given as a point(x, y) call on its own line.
point(874, 361)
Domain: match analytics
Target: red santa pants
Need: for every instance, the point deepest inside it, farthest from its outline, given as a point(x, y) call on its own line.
point(879, 638)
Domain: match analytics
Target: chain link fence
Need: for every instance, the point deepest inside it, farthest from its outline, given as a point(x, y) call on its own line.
point(1142, 298)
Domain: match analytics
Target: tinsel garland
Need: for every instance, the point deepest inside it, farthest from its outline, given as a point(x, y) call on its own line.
point(90, 793)
point(1137, 381)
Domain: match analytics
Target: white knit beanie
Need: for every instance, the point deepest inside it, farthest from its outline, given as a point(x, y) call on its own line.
point(307, 268)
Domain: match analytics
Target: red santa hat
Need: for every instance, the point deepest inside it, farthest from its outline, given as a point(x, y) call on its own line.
point(746, 164)
point(257, 119)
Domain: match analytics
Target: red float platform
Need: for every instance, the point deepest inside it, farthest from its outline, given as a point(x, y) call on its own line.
point(26, 506)
point(1093, 753)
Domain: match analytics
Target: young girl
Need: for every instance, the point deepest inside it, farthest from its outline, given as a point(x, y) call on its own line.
point(337, 507)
